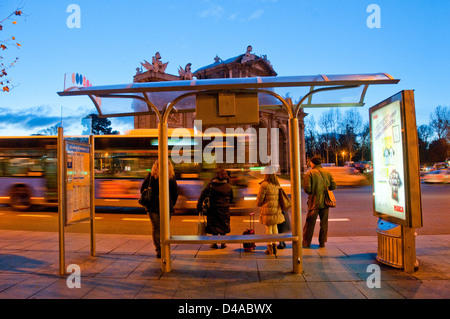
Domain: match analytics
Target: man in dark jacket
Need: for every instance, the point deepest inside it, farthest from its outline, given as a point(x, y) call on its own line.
point(313, 185)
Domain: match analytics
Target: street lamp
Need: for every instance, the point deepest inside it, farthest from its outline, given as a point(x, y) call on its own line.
point(343, 154)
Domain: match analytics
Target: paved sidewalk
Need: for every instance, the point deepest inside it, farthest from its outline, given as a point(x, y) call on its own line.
point(126, 268)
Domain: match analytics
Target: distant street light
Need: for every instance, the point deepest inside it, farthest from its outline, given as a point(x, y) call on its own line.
point(343, 154)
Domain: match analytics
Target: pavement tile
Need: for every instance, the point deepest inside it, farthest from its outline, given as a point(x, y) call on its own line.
point(384, 292)
point(194, 289)
point(27, 288)
point(188, 250)
point(113, 288)
point(327, 269)
point(60, 290)
point(422, 289)
point(335, 290)
point(359, 263)
point(150, 268)
point(20, 261)
point(76, 242)
point(250, 290)
point(155, 289)
point(231, 251)
point(329, 251)
point(106, 244)
point(433, 267)
point(357, 248)
point(188, 269)
point(132, 246)
point(122, 267)
point(95, 265)
point(233, 270)
point(50, 245)
point(293, 290)
point(278, 271)
point(8, 280)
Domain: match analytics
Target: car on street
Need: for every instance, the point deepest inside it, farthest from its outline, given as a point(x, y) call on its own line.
point(441, 176)
point(440, 165)
point(346, 176)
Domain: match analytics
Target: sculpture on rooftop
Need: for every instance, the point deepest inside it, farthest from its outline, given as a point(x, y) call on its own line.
point(248, 56)
point(186, 73)
point(156, 65)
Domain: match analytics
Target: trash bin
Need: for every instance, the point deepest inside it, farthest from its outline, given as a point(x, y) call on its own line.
point(390, 250)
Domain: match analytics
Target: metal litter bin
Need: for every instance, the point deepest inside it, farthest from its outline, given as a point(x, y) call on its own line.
point(390, 250)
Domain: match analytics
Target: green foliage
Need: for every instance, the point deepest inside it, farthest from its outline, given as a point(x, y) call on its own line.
point(99, 126)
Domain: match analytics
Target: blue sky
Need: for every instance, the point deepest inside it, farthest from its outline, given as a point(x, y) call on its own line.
point(298, 37)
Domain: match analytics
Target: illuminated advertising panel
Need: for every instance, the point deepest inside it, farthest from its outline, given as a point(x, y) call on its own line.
point(396, 188)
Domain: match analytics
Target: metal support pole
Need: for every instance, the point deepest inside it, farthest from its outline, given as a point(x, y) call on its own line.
point(92, 194)
point(409, 249)
point(61, 199)
point(164, 209)
point(294, 146)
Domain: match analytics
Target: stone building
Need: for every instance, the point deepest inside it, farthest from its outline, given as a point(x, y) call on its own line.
point(243, 65)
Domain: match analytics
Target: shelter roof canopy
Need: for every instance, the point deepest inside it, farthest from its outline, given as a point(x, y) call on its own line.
point(162, 93)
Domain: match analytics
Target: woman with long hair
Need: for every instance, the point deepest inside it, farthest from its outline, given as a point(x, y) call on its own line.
point(152, 210)
point(270, 214)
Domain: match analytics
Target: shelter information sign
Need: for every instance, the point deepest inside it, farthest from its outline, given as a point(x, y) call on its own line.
point(78, 178)
point(395, 160)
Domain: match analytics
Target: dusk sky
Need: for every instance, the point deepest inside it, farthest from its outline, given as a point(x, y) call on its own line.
point(299, 37)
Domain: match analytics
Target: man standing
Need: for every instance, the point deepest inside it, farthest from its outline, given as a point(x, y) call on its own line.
point(315, 181)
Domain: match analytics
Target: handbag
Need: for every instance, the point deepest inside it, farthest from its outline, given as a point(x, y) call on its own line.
point(285, 226)
point(201, 224)
point(330, 200)
point(206, 204)
point(146, 195)
point(284, 200)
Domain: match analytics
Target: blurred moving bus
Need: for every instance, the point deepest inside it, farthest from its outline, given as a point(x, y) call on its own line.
point(28, 168)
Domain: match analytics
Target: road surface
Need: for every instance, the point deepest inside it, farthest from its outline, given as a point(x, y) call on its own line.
point(352, 217)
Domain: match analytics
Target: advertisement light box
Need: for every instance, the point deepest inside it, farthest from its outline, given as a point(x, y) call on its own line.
point(395, 160)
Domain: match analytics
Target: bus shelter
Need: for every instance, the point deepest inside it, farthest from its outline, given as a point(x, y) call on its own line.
point(233, 101)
